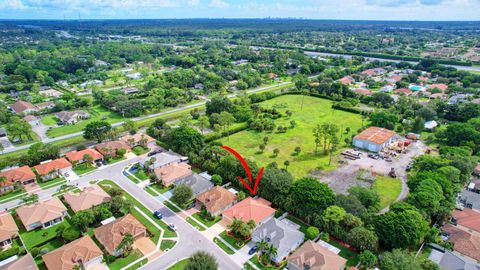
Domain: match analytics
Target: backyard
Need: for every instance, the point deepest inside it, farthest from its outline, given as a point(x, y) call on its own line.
point(388, 189)
point(315, 111)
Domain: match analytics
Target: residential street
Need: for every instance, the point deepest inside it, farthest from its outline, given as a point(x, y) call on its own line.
point(189, 241)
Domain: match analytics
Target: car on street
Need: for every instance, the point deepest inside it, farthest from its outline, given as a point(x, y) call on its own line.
point(252, 250)
point(172, 227)
point(158, 215)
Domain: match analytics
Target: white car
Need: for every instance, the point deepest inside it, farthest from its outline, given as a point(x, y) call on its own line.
point(172, 227)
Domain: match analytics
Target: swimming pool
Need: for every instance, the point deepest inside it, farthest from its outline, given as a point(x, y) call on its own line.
point(416, 87)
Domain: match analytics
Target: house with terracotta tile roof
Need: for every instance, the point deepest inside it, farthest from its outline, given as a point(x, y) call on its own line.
point(25, 263)
point(109, 149)
point(51, 169)
point(443, 87)
point(83, 253)
point(32, 120)
point(362, 91)
point(169, 174)
point(216, 200)
point(466, 242)
point(23, 175)
point(8, 230)
point(138, 139)
point(111, 234)
point(23, 107)
point(312, 256)
point(374, 139)
point(87, 198)
point(468, 219)
point(347, 80)
point(258, 210)
point(42, 214)
point(77, 157)
point(403, 91)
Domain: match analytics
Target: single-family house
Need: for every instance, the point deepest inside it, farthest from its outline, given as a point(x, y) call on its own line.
point(51, 169)
point(259, 210)
point(281, 235)
point(139, 138)
point(403, 91)
point(42, 214)
point(100, 63)
point(25, 262)
point(164, 159)
point(313, 256)
point(347, 80)
point(45, 105)
point(169, 174)
point(109, 149)
point(50, 92)
point(111, 234)
point(77, 157)
point(196, 182)
point(465, 241)
point(8, 230)
point(374, 139)
point(216, 200)
point(448, 260)
point(134, 76)
point(70, 118)
point(82, 253)
point(23, 175)
point(87, 198)
point(470, 199)
point(272, 76)
point(467, 219)
point(32, 120)
point(441, 86)
point(130, 90)
point(362, 91)
point(23, 107)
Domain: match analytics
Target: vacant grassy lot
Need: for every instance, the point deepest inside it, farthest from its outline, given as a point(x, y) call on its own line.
point(315, 111)
point(388, 188)
point(96, 112)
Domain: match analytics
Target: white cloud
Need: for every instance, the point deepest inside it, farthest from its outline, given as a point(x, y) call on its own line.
point(193, 3)
point(218, 4)
point(11, 4)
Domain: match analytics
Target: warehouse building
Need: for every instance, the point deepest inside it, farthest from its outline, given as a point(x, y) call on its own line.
point(374, 139)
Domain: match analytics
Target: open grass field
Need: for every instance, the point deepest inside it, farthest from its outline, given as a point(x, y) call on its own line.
point(388, 188)
point(315, 111)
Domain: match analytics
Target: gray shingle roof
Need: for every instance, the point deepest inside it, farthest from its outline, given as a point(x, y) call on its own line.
point(469, 197)
point(453, 261)
point(197, 183)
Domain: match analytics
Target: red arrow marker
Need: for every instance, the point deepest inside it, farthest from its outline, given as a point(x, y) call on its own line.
point(247, 169)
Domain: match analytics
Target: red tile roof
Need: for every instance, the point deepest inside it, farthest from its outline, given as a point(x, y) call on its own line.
point(468, 218)
point(250, 209)
point(110, 148)
point(376, 135)
point(404, 91)
point(21, 174)
point(362, 91)
point(346, 80)
point(78, 155)
point(53, 165)
point(21, 106)
point(464, 242)
point(440, 86)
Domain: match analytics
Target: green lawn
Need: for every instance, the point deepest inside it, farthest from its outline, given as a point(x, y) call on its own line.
point(83, 168)
point(10, 196)
point(223, 246)
point(119, 263)
point(238, 244)
point(49, 120)
point(315, 111)
point(167, 244)
point(106, 184)
point(139, 150)
point(39, 236)
point(179, 265)
point(51, 183)
point(208, 223)
point(388, 188)
point(160, 189)
point(97, 113)
point(195, 224)
point(172, 207)
point(133, 179)
point(255, 261)
point(115, 160)
point(350, 255)
point(141, 174)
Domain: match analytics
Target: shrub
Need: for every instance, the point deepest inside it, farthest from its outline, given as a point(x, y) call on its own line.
point(312, 232)
point(9, 253)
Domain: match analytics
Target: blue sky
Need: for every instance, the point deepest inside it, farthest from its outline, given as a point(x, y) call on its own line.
point(312, 9)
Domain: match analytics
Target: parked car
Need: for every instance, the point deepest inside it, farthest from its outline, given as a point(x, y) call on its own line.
point(373, 156)
point(172, 227)
point(158, 215)
point(252, 250)
point(190, 206)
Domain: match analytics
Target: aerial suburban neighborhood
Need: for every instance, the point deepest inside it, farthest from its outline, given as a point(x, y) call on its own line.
point(258, 144)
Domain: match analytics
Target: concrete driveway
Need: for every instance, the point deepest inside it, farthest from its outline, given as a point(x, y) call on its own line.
point(72, 176)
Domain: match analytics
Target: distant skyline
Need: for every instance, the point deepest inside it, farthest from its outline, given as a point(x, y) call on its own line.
point(424, 10)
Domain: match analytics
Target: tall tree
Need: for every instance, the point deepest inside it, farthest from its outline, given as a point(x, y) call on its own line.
point(97, 130)
point(201, 261)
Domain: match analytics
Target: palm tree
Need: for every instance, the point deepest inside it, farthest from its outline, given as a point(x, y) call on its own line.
point(269, 253)
point(262, 245)
point(126, 244)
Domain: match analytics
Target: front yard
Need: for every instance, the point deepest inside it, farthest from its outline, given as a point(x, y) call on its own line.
point(41, 236)
point(236, 243)
point(139, 150)
point(256, 261)
point(11, 195)
point(208, 223)
point(83, 168)
point(51, 183)
point(121, 262)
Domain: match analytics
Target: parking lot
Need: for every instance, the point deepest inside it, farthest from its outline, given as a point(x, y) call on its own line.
point(346, 175)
